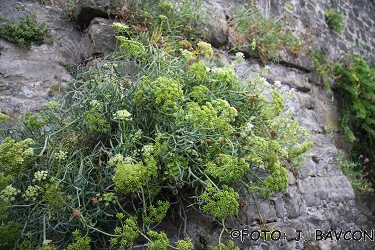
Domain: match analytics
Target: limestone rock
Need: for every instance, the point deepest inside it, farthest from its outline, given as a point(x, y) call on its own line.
point(100, 38)
point(216, 27)
point(86, 10)
point(31, 77)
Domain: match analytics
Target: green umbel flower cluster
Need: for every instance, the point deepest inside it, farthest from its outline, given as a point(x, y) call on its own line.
point(230, 246)
point(184, 244)
point(220, 203)
point(127, 233)
point(205, 49)
point(129, 176)
point(159, 241)
point(199, 93)
point(198, 70)
point(227, 167)
point(80, 243)
point(131, 48)
point(215, 115)
point(224, 74)
point(14, 156)
point(165, 92)
point(156, 214)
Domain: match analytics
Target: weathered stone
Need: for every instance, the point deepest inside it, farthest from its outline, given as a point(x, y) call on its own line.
point(31, 77)
point(100, 38)
point(335, 188)
point(264, 209)
point(291, 179)
point(306, 120)
point(280, 207)
point(293, 202)
point(86, 10)
point(215, 28)
point(124, 68)
point(293, 77)
point(314, 78)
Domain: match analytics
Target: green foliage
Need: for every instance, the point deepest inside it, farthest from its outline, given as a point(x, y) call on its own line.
point(26, 31)
point(95, 122)
point(32, 122)
point(126, 234)
point(156, 214)
point(2, 48)
point(322, 67)
point(220, 203)
point(128, 148)
point(184, 244)
point(230, 246)
point(357, 172)
point(52, 193)
point(335, 20)
point(267, 35)
point(355, 78)
point(156, 22)
point(9, 234)
point(15, 156)
point(80, 243)
point(158, 241)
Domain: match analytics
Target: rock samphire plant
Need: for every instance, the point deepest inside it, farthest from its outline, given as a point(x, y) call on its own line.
point(108, 161)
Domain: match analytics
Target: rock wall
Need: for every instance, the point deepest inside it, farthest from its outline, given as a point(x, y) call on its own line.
point(319, 196)
point(30, 77)
point(308, 18)
point(319, 199)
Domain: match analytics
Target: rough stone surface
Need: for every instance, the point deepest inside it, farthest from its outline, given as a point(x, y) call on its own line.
point(29, 77)
point(308, 20)
point(99, 39)
point(86, 10)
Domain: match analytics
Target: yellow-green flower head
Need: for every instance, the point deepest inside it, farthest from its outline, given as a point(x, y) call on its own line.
point(129, 177)
point(119, 26)
point(205, 49)
point(187, 54)
point(199, 70)
point(9, 193)
point(163, 18)
point(166, 6)
point(96, 104)
point(131, 48)
point(122, 115)
point(53, 104)
point(4, 117)
point(225, 74)
point(185, 44)
point(31, 193)
point(40, 175)
point(61, 155)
